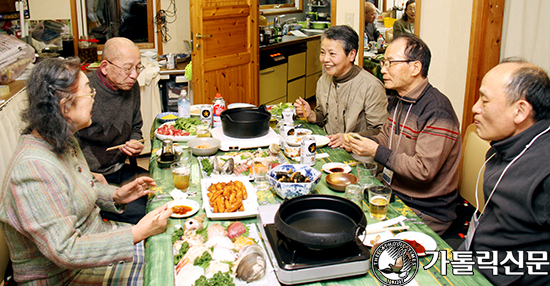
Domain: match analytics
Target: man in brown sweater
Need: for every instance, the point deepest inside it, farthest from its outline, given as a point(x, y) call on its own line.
point(419, 145)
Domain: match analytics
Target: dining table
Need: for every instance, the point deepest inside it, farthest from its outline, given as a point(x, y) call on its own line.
point(371, 63)
point(159, 267)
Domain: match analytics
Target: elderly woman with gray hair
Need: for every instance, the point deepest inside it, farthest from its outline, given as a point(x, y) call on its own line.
point(50, 200)
point(349, 99)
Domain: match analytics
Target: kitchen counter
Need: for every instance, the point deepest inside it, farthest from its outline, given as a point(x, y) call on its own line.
point(291, 40)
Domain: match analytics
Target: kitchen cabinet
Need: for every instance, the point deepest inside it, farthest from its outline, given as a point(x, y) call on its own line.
point(296, 89)
point(301, 60)
point(296, 66)
point(273, 81)
point(313, 67)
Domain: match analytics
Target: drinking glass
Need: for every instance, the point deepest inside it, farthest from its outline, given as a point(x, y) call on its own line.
point(379, 199)
point(354, 193)
point(181, 172)
point(203, 130)
point(366, 173)
point(259, 171)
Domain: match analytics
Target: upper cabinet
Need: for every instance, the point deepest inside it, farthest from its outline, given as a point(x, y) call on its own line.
point(274, 7)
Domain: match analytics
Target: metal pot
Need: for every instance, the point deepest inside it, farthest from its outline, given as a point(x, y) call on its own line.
point(245, 122)
point(320, 221)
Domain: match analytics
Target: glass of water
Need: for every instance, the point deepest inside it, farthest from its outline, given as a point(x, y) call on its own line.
point(259, 171)
point(366, 173)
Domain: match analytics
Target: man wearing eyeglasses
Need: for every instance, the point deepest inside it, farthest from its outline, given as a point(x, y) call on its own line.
point(116, 120)
point(419, 145)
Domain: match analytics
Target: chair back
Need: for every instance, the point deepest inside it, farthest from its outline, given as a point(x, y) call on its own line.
point(389, 35)
point(4, 256)
point(473, 157)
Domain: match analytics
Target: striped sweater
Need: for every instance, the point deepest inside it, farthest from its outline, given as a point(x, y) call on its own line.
point(49, 214)
point(425, 163)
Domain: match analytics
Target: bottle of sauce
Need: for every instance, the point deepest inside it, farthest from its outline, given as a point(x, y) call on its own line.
point(218, 108)
point(167, 155)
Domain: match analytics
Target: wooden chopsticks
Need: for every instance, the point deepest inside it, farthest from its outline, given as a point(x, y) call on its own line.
point(118, 146)
point(378, 230)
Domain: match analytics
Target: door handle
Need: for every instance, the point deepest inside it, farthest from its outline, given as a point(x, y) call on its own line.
point(266, 72)
point(199, 36)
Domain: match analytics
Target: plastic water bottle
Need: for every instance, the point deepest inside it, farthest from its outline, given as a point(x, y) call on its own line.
point(218, 107)
point(380, 42)
point(184, 105)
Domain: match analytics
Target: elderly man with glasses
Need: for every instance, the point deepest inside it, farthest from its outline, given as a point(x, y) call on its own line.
point(116, 120)
point(419, 145)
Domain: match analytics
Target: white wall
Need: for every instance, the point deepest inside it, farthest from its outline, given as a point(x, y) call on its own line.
point(525, 31)
point(351, 7)
point(180, 30)
point(53, 9)
point(445, 27)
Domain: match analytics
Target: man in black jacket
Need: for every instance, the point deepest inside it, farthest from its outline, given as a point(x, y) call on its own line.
point(513, 113)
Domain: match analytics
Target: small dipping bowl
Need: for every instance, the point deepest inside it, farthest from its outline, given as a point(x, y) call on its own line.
point(339, 181)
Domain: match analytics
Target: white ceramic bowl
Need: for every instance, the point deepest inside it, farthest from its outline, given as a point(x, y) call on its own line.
point(291, 190)
point(213, 142)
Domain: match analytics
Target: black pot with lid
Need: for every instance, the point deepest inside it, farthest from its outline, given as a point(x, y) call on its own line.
point(245, 122)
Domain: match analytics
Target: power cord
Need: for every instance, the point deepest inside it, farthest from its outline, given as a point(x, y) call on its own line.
point(162, 19)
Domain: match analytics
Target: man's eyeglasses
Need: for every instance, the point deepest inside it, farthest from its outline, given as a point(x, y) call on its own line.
point(387, 63)
point(127, 70)
point(92, 94)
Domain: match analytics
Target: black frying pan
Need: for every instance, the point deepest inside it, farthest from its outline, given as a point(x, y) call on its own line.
point(320, 221)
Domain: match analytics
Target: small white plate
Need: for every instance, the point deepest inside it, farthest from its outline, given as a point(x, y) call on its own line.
point(185, 202)
point(321, 140)
point(326, 167)
point(372, 237)
point(423, 239)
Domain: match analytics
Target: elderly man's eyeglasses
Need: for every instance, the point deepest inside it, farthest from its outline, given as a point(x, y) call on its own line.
point(128, 70)
point(387, 63)
point(92, 94)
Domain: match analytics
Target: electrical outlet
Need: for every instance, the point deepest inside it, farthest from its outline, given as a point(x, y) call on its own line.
point(349, 19)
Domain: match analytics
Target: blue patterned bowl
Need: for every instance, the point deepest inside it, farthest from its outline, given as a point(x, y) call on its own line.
point(291, 190)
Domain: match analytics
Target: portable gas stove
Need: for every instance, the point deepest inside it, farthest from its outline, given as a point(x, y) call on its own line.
point(233, 144)
point(294, 263)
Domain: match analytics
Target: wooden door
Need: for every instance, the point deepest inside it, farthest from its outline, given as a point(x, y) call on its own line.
point(225, 53)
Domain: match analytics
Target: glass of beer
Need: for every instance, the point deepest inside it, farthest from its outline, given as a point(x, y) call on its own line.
point(379, 199)
point(181, 172)
point(203, 130)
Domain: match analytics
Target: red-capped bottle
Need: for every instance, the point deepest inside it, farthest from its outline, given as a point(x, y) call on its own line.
point(218, 107)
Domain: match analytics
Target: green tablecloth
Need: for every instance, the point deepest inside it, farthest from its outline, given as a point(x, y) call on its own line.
point(159, 269)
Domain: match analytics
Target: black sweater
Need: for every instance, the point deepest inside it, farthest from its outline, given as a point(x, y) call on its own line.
point(116, 118)
point(517, 218)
